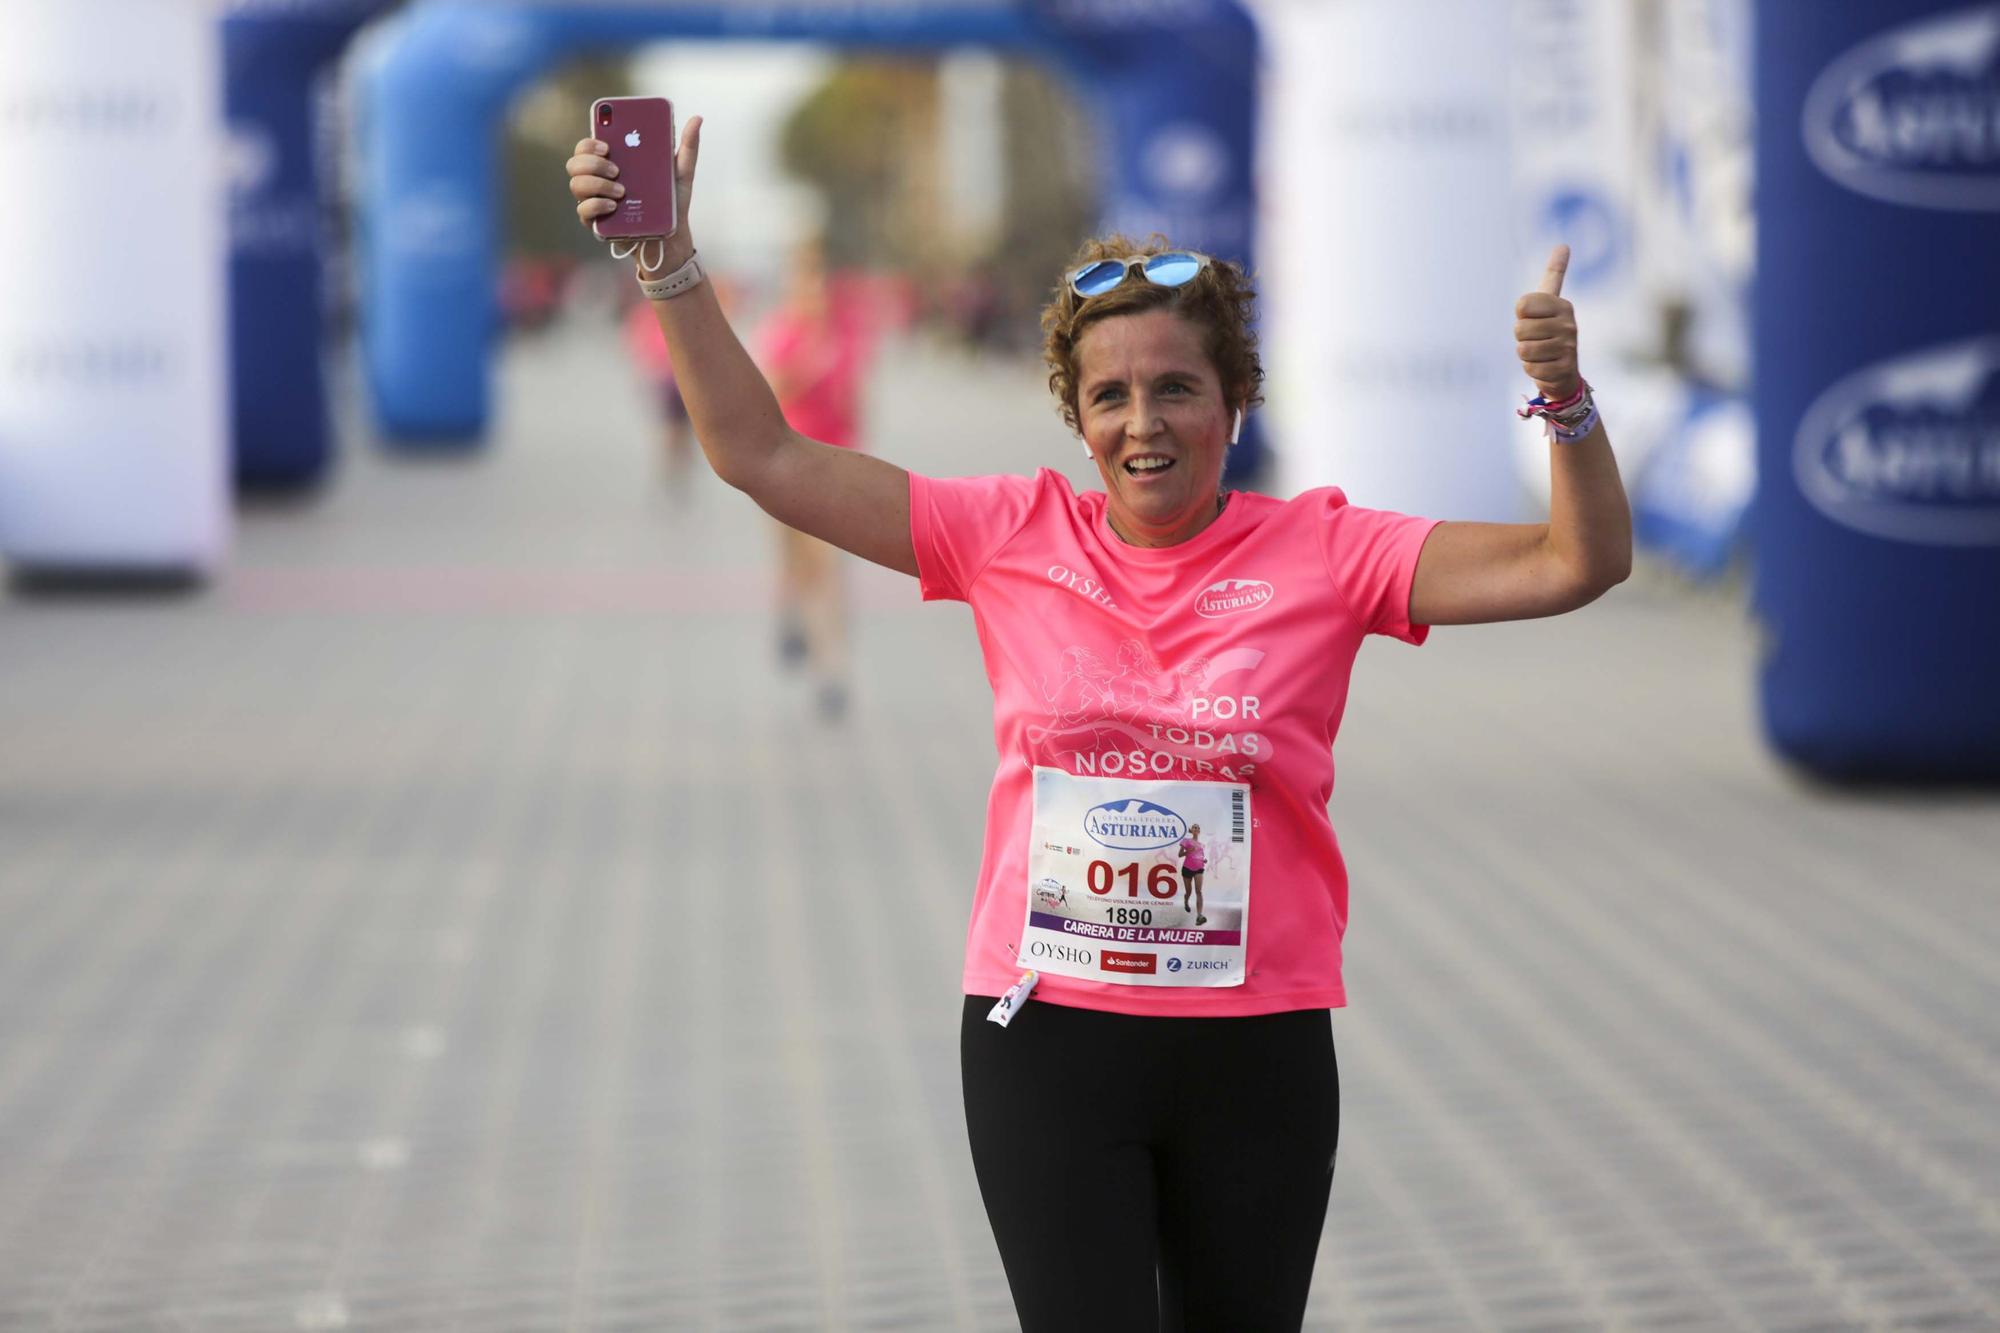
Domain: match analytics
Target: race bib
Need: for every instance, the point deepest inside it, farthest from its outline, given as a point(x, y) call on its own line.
point(1109, 893)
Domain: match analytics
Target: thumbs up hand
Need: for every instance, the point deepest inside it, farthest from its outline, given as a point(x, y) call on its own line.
point(1545, 332)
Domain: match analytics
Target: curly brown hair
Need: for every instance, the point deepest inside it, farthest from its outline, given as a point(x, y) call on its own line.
point(1219, 300)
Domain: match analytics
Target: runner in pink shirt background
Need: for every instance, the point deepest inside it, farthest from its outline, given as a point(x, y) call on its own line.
point(815, 349)
point(1153, 1108)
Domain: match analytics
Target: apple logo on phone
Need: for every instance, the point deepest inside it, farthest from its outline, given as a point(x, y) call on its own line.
point(632, 139)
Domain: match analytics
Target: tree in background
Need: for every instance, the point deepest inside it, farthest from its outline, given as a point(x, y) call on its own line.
point(542, 131)
point(868, 139)
point(543, 246)
point(1051, 203)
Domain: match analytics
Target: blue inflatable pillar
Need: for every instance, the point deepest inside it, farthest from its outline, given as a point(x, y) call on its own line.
point(430, 233)
point(1877, 520)
point(273, 52)
point(1176, 110)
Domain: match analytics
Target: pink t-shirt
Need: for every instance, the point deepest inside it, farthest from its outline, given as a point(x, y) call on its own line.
point(1225, 659)
point(825, 360)
point(647, 344)
point(1192, 855)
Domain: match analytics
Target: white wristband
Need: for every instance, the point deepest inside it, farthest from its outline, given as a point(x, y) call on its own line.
point(1575, 430)
point(683, 279)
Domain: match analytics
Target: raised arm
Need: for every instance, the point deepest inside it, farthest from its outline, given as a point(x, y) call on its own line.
point(842, 496)
point(1474, 573)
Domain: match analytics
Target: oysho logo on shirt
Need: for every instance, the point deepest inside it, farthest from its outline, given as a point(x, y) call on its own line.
point(1232, 596)
point(1909, 448)
point(1081, 584)
point(1912, 115)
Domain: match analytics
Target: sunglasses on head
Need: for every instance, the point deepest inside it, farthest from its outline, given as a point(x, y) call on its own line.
point(1175, 268)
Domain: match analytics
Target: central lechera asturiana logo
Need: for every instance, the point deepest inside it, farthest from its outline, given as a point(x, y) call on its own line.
point(1133, 825)
point(1232, 596)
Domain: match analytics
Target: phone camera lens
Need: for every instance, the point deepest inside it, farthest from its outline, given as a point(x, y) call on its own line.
point(604, 115)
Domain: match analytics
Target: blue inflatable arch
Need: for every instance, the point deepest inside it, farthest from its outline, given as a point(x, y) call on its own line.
point(1172, 86)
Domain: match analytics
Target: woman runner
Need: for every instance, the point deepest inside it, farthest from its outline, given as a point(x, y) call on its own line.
point(1153, 1117)
point(1194, 859)
point(814, 352)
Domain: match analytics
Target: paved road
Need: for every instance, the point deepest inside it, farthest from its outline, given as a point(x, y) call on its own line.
point(452, 920)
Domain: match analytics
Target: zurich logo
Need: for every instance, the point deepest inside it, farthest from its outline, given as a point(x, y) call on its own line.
point(1173, 965)
point(1909, 449)
point(1133, 825)
point(1231, 596)
point(1912, 116)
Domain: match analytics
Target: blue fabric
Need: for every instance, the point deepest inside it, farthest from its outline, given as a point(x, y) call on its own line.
point(1875, 531)
point(274, 55)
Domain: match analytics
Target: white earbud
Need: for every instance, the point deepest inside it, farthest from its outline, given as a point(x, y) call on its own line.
point(1086, 452)
point(1236, 427)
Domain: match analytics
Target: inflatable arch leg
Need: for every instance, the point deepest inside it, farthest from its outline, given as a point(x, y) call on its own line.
point(1876, 526)
point(275, 55)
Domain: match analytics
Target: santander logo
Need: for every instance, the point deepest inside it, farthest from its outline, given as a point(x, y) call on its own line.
point(1231, 597)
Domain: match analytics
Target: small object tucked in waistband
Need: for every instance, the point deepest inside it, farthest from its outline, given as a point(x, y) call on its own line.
point(1016, 996)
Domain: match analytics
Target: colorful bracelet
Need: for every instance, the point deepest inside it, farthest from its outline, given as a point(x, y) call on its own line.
point(1540, 406)
point(1570, 433)
point(1565, 409)
point(1568, 419)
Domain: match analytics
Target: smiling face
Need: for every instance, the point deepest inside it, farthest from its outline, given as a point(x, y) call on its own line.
point(1156, 420)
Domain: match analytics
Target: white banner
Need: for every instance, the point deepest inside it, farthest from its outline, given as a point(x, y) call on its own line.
point(114, 449)
point(1390, 272)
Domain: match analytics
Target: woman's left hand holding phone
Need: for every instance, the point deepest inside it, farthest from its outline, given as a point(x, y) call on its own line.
point(593, 182)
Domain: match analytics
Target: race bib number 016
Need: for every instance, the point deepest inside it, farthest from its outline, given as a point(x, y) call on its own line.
point(1138, 883)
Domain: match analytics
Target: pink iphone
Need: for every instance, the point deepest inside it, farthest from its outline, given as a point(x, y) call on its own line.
point(640, 131)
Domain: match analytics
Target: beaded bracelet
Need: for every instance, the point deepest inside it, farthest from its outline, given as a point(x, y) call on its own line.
point(1568, 419)
point(1540, 406)
point(1571, 433)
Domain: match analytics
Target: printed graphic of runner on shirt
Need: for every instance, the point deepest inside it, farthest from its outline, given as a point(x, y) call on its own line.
point(1194, 860)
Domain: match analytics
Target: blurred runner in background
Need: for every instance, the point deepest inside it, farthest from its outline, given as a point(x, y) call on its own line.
point(656, 369)
point(815, 349)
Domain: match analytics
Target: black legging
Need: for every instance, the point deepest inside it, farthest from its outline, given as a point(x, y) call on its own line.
point(1165, 1174)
